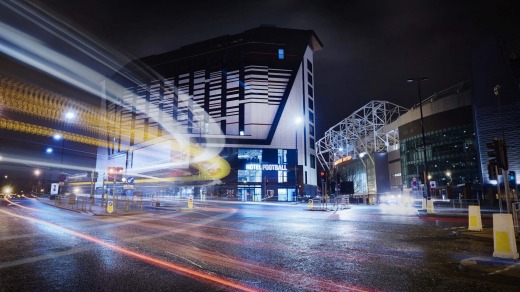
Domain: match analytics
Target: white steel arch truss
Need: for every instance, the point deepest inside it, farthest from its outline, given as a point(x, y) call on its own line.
point(360, 133)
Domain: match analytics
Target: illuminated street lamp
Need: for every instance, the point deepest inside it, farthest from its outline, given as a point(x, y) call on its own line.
point(448, 174)
point(70, 115)
point(37, 174)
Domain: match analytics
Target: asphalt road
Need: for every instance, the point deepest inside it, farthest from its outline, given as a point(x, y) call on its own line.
point(224, 246)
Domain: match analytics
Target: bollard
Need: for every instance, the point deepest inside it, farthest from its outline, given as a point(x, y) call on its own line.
point(429, 207)
point(475, 220)
point(504, 240)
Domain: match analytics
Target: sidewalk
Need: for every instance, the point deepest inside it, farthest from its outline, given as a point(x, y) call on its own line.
point(498, 269)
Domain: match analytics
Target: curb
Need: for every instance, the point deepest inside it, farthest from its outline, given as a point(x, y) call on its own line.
point(496, 268)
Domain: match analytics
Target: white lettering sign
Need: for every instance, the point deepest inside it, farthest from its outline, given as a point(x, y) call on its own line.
point(266, 167)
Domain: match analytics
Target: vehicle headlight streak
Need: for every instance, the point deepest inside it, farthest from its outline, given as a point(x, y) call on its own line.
point(194, 274)
point(46, 105)
point(228, 262)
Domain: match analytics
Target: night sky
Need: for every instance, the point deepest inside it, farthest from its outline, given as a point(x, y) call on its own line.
point(370, 47)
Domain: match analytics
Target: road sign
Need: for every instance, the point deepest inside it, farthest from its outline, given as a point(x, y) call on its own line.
point(110, 207)
point(128, 187)
point(54, 189)
point(130, 180)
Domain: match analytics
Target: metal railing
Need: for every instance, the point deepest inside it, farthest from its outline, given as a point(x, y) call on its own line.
point(85, 203)
point(515, 209)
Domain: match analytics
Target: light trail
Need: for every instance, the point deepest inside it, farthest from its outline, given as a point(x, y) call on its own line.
point(184, 271)
point(232, 263)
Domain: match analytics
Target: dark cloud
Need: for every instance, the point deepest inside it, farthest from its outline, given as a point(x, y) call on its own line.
point(371, 47)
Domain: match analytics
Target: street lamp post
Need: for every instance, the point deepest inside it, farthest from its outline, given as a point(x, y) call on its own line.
point(49, 151)
point(297, 122)
point(426, 183)
point(37, 174)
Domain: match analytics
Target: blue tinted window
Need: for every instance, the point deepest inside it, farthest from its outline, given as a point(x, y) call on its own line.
point(281, 54)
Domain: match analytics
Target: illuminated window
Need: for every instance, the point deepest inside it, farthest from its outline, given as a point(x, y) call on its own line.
point(282, 156)
point(282, 176)
point(281, 54)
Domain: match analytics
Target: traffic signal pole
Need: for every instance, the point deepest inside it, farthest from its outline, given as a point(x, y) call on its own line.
point(498, 189)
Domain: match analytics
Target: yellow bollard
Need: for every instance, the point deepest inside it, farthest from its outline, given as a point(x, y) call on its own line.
point(311, 203)
point(475, 220)
point(429, 207)
point(504, 240)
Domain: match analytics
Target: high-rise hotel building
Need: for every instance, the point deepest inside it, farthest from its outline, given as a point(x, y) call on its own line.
point(247, 98)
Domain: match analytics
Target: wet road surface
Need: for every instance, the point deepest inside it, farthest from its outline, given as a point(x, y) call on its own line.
point(224, 246)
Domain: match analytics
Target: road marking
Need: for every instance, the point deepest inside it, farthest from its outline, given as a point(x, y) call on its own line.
point(44, 257)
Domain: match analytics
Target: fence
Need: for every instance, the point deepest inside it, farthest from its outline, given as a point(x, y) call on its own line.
point(515, 208)
point(99, 204)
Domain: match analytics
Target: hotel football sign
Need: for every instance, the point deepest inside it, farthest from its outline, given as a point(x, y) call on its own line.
point(256, 166)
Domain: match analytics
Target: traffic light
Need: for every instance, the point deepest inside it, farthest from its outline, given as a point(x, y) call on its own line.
point(92, 175)
point(492, 170)
point(323, 176)
point(511, 177)
point(497, 151)
point(115, 173)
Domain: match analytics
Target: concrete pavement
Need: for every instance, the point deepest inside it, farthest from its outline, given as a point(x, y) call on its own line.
point(499, 269)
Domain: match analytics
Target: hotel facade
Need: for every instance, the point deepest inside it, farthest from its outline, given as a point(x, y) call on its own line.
point(231, 117)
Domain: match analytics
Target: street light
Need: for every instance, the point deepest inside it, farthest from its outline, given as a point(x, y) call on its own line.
point(426, 183)
point(297, 122)
point(37, 174)
point(49, 151)
point(448, 174)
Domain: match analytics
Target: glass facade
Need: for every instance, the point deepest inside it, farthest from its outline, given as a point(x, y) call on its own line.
point(452, 157)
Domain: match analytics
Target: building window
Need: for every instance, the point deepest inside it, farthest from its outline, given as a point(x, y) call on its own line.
point(251, 155)
point(311, 130)
point(282, 156)
point(313, 162)
point(311, 104)
point(311, 117)
point(309, 90)
point(309, 78)
point(247, 176)
point(281, 54)
point(311, 142)
point(309, 65)
point(282, 176)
